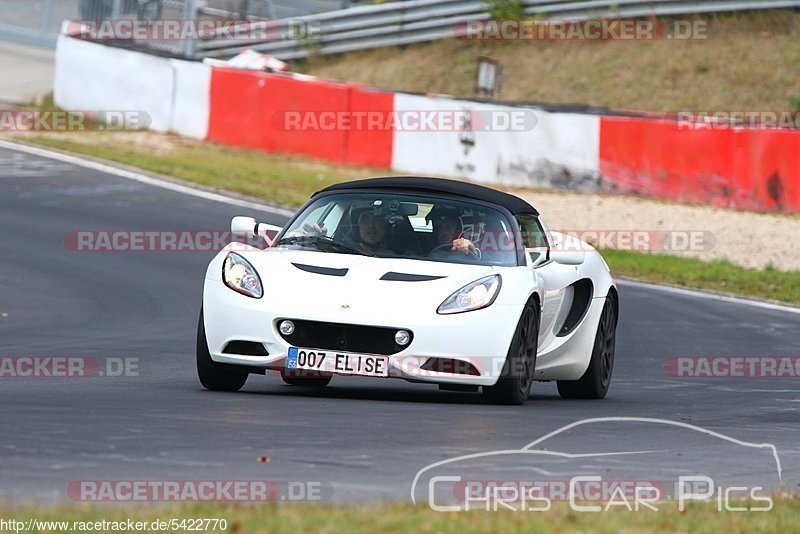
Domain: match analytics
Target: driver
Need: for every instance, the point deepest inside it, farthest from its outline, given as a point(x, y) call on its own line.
point(372, 232)
point(447, 229)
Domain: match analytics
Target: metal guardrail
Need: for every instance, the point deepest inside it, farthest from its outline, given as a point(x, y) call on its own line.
point(37, 22)
point(416, 21)
point(33, 26)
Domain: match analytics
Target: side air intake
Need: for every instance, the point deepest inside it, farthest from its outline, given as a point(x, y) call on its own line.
point(581, 298)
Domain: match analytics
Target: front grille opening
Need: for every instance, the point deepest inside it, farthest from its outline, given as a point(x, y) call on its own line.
point(245, 348)
point(451, 366)
point(344, 337)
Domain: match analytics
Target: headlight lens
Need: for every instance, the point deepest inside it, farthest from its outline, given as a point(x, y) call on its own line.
point(240, 276)
point(479, 294)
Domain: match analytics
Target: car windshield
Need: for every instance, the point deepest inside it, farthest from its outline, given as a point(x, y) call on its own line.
point(404, 226)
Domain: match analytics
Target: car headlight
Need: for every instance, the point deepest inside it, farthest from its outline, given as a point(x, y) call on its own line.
point(240, 276)
point(479, 294)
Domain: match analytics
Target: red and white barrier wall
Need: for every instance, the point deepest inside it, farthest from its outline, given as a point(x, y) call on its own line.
point(173, 94)
point(559, 150)
point(254, 110)
point(739, 168)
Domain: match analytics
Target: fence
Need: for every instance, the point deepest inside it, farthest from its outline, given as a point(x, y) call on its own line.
point(37, 22)
point(303, 27)
point(415, 21)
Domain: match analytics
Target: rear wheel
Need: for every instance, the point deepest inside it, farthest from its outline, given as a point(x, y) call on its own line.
point(311, 379)
point(213, 375)
point(595, 381)
point(514, 384)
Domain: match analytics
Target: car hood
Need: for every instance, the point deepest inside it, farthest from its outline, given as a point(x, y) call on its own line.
point(317, 283)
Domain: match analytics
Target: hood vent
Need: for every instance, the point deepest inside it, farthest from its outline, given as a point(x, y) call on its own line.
point(404, 277)
point(329, 271)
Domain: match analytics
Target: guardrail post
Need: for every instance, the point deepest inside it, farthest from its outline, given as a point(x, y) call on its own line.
point(189, 15)
point(271, 13)
point(47, 15)
point(116, 9)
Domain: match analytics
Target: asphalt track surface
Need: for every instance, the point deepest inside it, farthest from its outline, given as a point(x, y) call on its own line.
point(365, 439)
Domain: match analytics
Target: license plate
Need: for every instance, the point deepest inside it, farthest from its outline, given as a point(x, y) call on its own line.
point(337, 362)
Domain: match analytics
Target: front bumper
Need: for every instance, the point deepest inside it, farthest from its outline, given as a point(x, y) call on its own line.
point(480, 338)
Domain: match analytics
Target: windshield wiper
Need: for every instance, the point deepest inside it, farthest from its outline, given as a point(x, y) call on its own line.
point(323, 243)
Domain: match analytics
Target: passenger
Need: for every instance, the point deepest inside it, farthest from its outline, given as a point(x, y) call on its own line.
point(448, 229)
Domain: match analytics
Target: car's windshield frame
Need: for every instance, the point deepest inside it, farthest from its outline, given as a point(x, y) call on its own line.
point(509, 219)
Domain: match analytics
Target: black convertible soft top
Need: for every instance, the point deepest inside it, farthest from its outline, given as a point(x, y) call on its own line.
point(411, 184)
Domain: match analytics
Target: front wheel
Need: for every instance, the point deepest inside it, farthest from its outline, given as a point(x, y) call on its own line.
point(213, 375)
point(514, 384)
point(595, 381)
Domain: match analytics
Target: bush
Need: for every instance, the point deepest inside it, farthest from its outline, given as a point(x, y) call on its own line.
point(505, 9)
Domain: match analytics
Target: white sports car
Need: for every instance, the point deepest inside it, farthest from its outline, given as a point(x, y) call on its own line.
point(422, 279)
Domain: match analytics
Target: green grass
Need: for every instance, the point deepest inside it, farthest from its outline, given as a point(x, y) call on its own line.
point(290, 180)
point(721, 276)
point(277, 179)
point(291, 518)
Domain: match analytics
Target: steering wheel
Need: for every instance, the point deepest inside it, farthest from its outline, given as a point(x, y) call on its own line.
point(448, 247)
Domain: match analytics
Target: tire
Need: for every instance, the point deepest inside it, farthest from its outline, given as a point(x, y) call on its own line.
point(595, 381)
point(514, 384)
point(216, 376)
point(310, 379)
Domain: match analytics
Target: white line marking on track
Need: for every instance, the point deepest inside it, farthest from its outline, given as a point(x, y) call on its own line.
point(692, 293)
point(143, 178)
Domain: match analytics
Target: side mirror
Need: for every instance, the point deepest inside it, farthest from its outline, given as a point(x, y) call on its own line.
point(248, 227)
point(568, 257)
point(243, 226)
